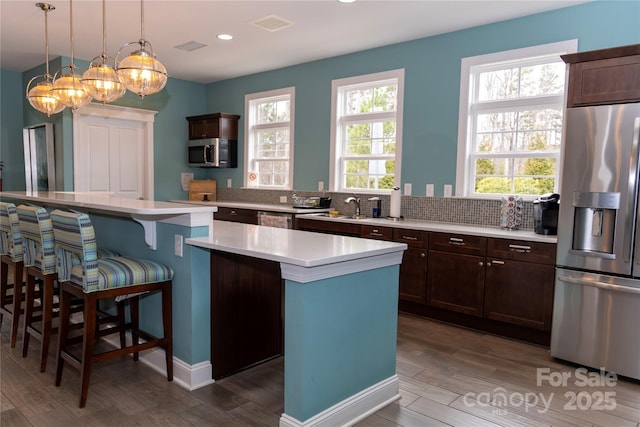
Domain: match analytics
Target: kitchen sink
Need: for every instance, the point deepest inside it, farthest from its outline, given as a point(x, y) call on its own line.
point(327, 215)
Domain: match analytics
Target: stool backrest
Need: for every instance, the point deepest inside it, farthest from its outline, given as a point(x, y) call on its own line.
point(37, 235)
point(75, 242)
point(10, 237)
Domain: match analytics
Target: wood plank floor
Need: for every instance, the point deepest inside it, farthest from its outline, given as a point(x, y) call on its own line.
point(448, 377)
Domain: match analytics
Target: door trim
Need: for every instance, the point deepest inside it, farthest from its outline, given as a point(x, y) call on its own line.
point(124, 113)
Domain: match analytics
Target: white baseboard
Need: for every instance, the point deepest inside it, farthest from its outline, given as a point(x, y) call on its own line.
point(187, 376)
point(353, 409)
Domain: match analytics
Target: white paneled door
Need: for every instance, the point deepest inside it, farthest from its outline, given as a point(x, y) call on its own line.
point(113, 151)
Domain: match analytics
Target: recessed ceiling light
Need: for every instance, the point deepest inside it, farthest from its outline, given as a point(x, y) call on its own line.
point(189, 46)
point(225, 36)
point(347, 1)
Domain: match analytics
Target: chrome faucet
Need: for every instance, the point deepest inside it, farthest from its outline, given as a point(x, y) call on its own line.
point(356, 200)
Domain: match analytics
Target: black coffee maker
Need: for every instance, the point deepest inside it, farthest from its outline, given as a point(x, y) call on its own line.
point(545, 214)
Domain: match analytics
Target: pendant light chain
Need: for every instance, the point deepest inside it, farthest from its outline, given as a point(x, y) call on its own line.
point(46, 9)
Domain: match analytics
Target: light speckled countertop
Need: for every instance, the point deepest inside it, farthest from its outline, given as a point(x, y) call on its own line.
point(415, 224)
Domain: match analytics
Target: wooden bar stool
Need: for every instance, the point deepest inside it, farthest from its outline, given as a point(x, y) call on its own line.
point(12, 256)
point(83, 275)
point(40, 263)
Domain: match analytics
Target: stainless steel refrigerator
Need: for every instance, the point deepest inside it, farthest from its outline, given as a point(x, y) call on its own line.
point(596, 315)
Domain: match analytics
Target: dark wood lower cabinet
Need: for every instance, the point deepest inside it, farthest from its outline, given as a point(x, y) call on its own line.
point(246, 312)
point(520, 293)
point(456, 282)
point(413, 275)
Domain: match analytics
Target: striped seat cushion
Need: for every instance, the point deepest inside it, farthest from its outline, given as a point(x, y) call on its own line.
point(122, 271)
point(10, 237)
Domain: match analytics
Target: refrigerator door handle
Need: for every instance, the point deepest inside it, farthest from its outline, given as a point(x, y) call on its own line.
point(633, 191)
point(598, 284)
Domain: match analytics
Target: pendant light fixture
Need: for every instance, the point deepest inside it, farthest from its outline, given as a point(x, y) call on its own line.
point(140, 71)
point(39, 92)
point(101, 80)
point(67, 87)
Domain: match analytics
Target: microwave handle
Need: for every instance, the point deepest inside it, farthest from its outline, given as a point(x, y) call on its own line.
point(204, 154)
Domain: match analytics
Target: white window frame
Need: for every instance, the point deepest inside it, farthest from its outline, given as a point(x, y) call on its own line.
point(467, 111)
point(250, 129)
point(338, 87)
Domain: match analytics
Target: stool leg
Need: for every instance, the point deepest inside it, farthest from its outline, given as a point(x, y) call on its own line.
point(17, 302)
point(88, 344)
point(4, 277)
point(134, 310)
point(28, 312)
point(122, 321)
point(47, 315)
point(167, 325)
point(63, 331)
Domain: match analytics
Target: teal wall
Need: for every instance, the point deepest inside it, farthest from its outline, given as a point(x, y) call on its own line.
point(432, 80)
point(11, 151)
point(431, 94)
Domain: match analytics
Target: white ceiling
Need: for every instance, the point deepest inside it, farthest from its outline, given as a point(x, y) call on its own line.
point(321, 29)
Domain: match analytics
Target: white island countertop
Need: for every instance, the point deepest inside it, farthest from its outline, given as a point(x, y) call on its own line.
point(296, 250)
point(145, 212)
point(107, 202)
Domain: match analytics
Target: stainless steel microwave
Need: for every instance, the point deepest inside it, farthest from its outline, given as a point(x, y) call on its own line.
point(212, 153)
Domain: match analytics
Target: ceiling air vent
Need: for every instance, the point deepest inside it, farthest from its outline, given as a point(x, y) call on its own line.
point(272, 23)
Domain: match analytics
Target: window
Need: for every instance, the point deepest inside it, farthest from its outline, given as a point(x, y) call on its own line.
point(269, 141)
point(511, 117)
point(366, 130)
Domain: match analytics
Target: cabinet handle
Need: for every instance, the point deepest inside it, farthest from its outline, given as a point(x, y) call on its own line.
point(488, 264)
point(498, 262)
point(233, 213)
point(373, 233)
point(519, 248)
point(409, 238)
point(481, 263)
point(423, 255)
point(456, 241)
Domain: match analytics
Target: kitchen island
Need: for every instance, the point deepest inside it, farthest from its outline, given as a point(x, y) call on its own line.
point(340, 317)
point(340, 299)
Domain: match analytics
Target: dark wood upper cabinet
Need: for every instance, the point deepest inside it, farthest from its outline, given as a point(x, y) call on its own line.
point(217, 125)
point(607, 76)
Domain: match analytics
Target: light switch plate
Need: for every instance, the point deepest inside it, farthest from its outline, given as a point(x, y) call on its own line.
point(320, 185)
point(178, 245)
point(448, 190)
point(429, 190)
point(407, 189)
point(229, 183)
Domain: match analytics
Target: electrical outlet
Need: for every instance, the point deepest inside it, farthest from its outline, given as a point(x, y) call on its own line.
point(447, 190)
point(283, 199)
point(229, 183)
point(407, 189)
point(178, 245)
point(320, 185)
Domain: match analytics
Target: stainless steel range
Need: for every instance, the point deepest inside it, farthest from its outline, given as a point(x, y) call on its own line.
point(596, 316)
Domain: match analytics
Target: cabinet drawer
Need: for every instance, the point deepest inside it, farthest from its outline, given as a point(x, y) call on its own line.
point(246, 216)
point(413, 238)
point(375, 232)
point(458, 243)
point(522, 250)
point(329, 227)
